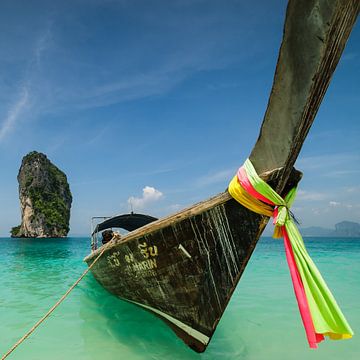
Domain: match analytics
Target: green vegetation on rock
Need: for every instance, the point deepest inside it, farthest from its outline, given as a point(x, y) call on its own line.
point(45, 198)
point(15, 231)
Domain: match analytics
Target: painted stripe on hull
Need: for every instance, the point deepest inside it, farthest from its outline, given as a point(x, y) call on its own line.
point(189, 330)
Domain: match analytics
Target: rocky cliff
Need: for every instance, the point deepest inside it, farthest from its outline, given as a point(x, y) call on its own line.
point(45, 198)
point(347, 229)
point(342, 229)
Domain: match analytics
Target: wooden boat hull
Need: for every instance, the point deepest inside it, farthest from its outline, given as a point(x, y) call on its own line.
point(185, 272)
point(184, 268)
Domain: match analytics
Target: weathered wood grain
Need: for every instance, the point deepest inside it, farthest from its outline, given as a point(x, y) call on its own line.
point(315, 35)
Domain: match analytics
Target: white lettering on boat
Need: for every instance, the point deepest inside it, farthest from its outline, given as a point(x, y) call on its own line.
point(113, 259)
point(148, 265)
point(144, 265)
point(148, 251)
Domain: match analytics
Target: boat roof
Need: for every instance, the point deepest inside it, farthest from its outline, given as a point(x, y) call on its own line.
point(128, 222)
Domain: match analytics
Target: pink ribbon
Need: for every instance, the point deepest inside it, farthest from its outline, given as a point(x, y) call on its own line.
point(312, 336)
point(246, 184)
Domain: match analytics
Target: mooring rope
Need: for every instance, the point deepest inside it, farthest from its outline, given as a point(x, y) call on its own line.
point(58, 302)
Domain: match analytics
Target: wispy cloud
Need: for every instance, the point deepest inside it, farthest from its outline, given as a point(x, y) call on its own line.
point(73, 80)
point(158, 171)
point(335, 211)
point(328, 162)
point(311, 195)
point(42, 44)
point(175, 207)
point(17, 110)
point(155, 82)
point(14, 113)
point(150, 195)
point(353, 189)
point(218, 177)
point(199, 47)
point(342, 173)
point(99, 135)
point(349, 56)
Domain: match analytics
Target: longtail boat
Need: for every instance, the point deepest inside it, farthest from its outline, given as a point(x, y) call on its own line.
point(184, 268)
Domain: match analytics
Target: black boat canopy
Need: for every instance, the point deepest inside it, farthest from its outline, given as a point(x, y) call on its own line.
point(128, 222)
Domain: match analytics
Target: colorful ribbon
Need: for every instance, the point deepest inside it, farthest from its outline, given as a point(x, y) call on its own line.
point(318, 308)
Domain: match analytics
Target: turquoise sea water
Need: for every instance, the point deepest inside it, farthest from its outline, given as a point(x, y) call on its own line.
point(261, 321)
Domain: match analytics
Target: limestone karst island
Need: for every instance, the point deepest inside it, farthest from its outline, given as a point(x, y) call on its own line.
point(45, 199)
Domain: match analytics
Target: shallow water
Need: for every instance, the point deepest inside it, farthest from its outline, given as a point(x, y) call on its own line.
point(261, 321)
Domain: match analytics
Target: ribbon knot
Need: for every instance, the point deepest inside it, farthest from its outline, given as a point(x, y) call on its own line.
point(280, 216)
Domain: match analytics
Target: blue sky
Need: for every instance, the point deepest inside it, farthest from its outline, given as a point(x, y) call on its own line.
point(160, 102)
